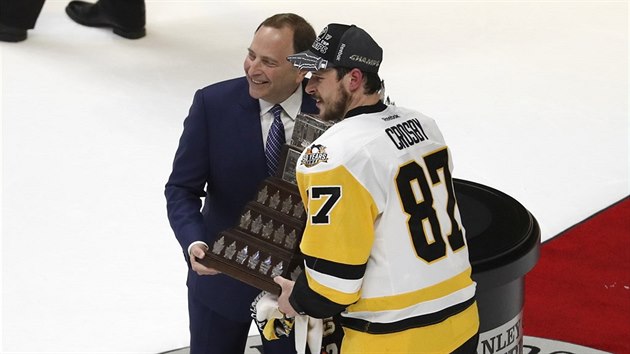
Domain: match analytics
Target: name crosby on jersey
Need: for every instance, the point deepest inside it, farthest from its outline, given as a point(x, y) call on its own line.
point(406, 134)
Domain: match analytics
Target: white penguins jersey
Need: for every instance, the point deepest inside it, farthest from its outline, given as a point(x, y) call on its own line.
point(384, 237)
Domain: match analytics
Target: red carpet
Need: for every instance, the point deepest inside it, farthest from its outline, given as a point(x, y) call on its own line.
point(579, 291)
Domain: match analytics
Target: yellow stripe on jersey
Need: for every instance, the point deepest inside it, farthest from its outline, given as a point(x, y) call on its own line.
point(440, 338)
point(405, 300)
point(346, 233)
point(330, 293)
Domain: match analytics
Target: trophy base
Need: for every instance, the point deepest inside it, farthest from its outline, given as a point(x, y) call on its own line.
point(252, 260)
point(254, 279)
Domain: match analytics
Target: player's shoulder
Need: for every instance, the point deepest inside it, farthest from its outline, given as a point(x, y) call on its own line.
point(404, 113)
point(341, 142)
point(358, 137)
point(365, 128)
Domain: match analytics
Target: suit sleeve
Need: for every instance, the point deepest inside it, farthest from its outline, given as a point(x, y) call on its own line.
point(186, 184)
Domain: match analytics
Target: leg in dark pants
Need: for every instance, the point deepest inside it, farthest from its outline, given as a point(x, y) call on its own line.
point(16, 17)
point(20, 14)
point(211, 333)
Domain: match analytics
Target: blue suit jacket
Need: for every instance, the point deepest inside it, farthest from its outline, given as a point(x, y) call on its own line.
point(220, 157)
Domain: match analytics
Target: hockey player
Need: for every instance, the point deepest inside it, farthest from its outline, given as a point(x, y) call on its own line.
point(384, 245)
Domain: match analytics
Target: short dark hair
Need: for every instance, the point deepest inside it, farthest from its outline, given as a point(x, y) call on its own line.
point(303, 33)
point(372, 83)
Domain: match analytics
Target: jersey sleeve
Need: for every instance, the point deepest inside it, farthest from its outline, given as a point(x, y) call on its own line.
point(338, 236)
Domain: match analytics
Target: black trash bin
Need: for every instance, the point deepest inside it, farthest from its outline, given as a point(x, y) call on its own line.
point(503, 240)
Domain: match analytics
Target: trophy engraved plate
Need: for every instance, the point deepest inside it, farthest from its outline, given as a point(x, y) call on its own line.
point(307, 128)
point(290, 155)
point(265, 241)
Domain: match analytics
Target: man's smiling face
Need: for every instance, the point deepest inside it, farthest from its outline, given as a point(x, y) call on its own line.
point(271, 77)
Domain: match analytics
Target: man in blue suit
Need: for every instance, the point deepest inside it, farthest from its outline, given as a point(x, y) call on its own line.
point(221, 157)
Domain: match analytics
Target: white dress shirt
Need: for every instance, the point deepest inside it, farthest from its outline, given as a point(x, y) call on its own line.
point(290, 109)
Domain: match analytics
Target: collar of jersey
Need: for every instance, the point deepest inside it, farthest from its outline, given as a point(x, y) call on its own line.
point(378, 107)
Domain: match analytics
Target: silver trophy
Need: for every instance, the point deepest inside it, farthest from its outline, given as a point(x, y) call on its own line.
point(265, 241)
point(307, 128)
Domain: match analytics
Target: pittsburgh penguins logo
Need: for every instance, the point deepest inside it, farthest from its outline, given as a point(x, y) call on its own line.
point(314, 154)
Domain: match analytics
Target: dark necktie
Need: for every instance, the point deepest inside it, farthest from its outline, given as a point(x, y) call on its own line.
point(275, 140)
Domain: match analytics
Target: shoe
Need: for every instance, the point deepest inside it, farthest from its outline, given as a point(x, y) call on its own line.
point(11, 34)
point(93, 15)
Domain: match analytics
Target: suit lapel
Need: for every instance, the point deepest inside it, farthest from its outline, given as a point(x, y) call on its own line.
point(250, 130)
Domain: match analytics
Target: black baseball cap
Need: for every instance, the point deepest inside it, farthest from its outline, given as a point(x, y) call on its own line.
point(340, 46)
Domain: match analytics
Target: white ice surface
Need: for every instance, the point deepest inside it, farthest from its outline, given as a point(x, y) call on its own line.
point(532, 97)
